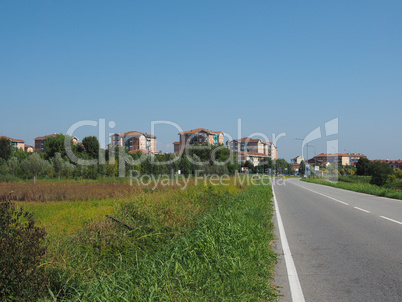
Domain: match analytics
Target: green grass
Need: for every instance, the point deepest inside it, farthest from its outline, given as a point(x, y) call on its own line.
point(67, 217)
point(362, 187)
point(225, 256)
point(354, 178)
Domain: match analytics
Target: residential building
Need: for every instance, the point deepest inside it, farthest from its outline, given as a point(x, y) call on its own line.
point(295, 166)
point(135, 141)
point(40, 141)
point(253, 150)
point(200, 136)
point(354, 158)
point(297, 160)
point(29, 148)
point(17, 143)
point(253, 157)
point(342, 159)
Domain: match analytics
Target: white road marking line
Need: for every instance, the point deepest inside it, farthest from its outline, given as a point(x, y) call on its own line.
point(360, 209)
point(295, 287)
point(391, 219)
point(340, 201)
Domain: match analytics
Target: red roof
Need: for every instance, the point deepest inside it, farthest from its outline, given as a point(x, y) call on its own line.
point(176, 143)
point(333, 155)
point(247, 139)
point(200, 130)
point(13, 139)
point(252, 154)
point(399, 162)
point(44, 137)
point(135, 133)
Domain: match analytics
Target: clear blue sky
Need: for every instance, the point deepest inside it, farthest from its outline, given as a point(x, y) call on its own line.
point(280, 66)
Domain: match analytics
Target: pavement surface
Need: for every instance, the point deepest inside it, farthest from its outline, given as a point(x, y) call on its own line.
point(345, 246)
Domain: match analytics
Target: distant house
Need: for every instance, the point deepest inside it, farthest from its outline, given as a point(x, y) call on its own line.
point(17, 143)
point(40, 141)
point(253, 157)
point(135, 141)
point(295, 166)
point(297, 160)
point(324, 159)
point(200, 136)
point(29, 148)
point(253, 150)
point(342, 159)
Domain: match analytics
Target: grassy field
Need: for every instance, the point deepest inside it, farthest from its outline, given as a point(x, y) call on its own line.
point(359, 184)
point(205, 243)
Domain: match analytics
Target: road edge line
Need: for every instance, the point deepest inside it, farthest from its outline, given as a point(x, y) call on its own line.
point(294, 282)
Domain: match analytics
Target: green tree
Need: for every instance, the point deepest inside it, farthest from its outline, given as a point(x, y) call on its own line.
point(185, 165)
point(13, 165)
point(380, 173)
point(53, 145)
point(6, 148)
point(248, 165)
point(363, 166)
point(398, 173)
point(281, 165)
point(91, 145)
point(34, 164)
point(302, 168)
point(20, 154)
point(57, 162)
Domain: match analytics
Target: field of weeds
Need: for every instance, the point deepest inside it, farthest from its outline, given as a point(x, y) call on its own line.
point(71, 190)
point(99, 233)
point(83, 239)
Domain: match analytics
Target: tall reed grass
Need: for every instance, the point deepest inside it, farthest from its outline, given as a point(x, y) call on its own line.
point(223, 255)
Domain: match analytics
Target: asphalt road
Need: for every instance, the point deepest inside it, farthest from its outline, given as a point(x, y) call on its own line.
point(345, 246)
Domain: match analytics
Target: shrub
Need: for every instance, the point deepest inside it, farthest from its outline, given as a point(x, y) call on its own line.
point(22, 246)
point(380, 173)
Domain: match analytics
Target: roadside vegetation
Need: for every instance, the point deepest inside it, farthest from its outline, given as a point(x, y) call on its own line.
point(205, 243)
point(373, 178)
point(115, 163)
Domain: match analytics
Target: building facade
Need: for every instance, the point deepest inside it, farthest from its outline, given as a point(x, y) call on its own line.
point(200, 136)
point(297, 160)
point(40, 141)
point(253, 150)
point(341, 159)
point(354, 158)
point(135, 141)
point(17, 143)
point(29, 148)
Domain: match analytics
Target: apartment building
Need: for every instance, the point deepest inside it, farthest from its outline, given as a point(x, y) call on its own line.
point(40, 141)
point(253, 157)
point(342, 159)
point(29, 148)
point(135, 141)
point(252, 149)
point(17, 143)
point(200, 136)
point(354, 158)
